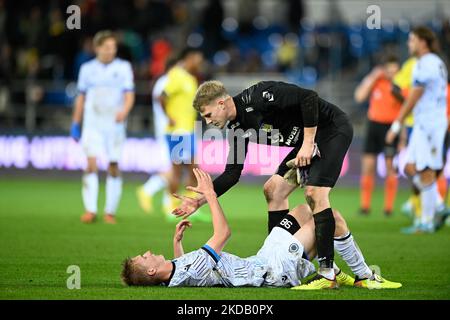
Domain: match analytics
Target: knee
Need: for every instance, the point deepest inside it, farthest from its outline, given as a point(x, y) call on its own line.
point(410, 170)
point(113, 169)
point(310, 196)
point(338, 217)
point(270, 190)
point(91, 168)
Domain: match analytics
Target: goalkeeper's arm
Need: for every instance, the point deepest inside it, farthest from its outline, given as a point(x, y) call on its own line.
point(233, 169)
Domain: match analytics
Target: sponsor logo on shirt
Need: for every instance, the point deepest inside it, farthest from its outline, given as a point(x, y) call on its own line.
point(293, 136)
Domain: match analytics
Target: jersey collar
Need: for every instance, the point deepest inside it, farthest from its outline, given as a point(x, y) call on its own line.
point(166, 283)
point(237, 122)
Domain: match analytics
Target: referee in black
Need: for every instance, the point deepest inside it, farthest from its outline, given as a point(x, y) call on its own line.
point(282, 114)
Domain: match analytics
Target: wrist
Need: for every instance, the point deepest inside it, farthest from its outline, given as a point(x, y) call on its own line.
point(210, 195)
point(396, 127)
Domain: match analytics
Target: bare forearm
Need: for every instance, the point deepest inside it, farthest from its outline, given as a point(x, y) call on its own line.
point(363, 90)
point(163, 101)
point(220, 224)
point(78, 110)
point(177, 248)
point(129, 102)
point(409, 104)
point(309, 135)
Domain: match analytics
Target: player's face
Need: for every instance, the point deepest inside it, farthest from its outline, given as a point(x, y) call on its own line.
point(215, 114)
point(106, 52)
point(390, 69)
point(195, 62)
point(413, 44)
point(148, 260)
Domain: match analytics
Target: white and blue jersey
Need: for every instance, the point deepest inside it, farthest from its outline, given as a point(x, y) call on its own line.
point(279, 263)
point(430, 73)
point(426, 145)
point(160, 120)
point(104, 86)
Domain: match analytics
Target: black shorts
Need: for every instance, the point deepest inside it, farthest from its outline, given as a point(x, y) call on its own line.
point(375, 140)
point(333, 142)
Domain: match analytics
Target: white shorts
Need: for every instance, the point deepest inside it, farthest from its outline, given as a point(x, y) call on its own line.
point(283, 253)
point(97, 141)
point(426, 146)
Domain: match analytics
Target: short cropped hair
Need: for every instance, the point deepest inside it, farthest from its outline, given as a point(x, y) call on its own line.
point(426, 34)
point(390, 58)
point(188, 51)
point(102, 36)
point(132, 275)
point(208, 92)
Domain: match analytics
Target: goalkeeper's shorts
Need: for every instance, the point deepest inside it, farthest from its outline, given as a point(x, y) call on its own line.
point(333, 142)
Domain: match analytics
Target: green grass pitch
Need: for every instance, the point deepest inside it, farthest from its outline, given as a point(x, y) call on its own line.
point(41, 235)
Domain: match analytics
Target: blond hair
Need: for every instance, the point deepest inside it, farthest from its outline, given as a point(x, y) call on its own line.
point(208, 92)
point(134, 275)
point(102, 36)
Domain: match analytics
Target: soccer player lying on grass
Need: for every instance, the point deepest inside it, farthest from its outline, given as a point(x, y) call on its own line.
point(282, 261)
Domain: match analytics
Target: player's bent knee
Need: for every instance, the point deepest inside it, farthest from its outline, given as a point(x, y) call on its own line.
point(269, 190)
point(337, 216)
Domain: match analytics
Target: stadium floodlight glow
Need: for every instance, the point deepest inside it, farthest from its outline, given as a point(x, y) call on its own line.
point(260, 22)
point(230, 24)
point(195, 40)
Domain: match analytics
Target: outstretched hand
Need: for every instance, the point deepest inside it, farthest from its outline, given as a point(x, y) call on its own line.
point(189, 205)
point(204, 183)
point(180, 228)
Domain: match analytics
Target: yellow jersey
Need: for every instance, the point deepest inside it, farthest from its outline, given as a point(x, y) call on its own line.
point(180, 90)
point(403, 79)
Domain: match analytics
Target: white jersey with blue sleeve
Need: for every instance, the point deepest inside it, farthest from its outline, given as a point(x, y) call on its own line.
point(205, 268)
point(160, 120)
point(430, 73)
point(195, 269)
point(279, 263)
point(104, 86)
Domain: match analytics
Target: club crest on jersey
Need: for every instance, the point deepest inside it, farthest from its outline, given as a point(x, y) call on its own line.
point(267, 96)
point(293, 248)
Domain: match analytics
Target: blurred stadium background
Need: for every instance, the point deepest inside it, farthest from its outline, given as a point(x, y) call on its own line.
point(325, 45)
point(321, 44)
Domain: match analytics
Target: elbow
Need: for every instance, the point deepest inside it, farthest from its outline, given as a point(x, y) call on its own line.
point(224, 235)
point(358, 98)
point(227, 234)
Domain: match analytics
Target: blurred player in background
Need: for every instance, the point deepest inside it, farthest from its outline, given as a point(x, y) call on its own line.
point(403, 81)
point(383, 110)
point(106, 96)
point(158, 181)
point(428, 98)
point(402, 85)
point(177, 101)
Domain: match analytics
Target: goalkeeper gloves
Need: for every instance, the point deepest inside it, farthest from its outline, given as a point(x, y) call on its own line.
point(298, 176)
point(75, 131)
